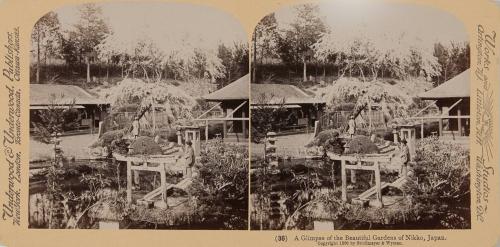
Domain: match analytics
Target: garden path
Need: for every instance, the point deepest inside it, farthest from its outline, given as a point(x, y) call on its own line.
point(72, 146)
point(286, 145)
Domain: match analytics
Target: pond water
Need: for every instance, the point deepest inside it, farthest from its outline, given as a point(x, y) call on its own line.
point(81, 180)
point(283, 183)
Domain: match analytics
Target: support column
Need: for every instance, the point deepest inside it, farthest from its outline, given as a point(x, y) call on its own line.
point(129, 182)
point(244, 125)
point(459, 120)
point(440, 122)
point(92, 125)
point(344, 181)
point(440, 127)
point(224, 129)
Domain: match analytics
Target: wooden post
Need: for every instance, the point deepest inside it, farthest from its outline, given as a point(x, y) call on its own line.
point(129, 181)
point(378, 184)
point(206, 130)
point(440, 122)
point(224, 129)
point(92, 127)
point(440, 126)
point(344, 181)
point(244, 125)
point(421, 128)
point(163, 182)
point(459, 113)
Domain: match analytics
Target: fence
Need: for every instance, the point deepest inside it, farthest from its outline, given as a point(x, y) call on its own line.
point(50, 72)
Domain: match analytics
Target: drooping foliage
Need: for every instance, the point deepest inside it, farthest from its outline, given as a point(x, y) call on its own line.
point(173, 100)
point(394, 98)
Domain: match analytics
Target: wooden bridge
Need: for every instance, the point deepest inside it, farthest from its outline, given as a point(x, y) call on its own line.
point(153, 163)
point(368, 162)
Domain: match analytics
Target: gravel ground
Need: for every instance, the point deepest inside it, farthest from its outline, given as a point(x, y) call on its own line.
point(75, 145)
point(286, 145)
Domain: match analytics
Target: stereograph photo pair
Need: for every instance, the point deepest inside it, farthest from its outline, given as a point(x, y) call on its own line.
point(298, 123)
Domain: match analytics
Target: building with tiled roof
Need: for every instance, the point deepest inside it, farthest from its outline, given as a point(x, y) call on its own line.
point(46, 96)
point(453, 100)
point(233, 100)
point(301, 108)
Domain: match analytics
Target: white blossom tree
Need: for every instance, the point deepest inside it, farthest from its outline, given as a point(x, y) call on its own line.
point(394, 53)
point(175, 101)
point(149, 59)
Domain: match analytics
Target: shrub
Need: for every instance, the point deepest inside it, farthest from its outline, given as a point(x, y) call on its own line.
point(145, 145)
point(362, 145)
point(222, 184)
point(107, 138)
point(440, 191)
point(322, 137)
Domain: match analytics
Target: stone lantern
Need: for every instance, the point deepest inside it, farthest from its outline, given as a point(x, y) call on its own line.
point(270, 150)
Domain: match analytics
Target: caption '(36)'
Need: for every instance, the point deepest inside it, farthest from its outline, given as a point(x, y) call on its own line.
point(359, 240)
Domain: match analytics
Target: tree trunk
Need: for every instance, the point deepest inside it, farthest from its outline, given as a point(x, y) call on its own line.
point(87, 60)
point(38, 58)
point(304, 79)
point(145, 73)
point(361, 73)
point(254, 67)
point(107, 71)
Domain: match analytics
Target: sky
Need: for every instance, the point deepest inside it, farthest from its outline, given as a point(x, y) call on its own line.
point(164, 22)
point(424, 23)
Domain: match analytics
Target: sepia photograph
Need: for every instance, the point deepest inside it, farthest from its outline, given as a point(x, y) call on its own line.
point(360, 118)
point(139, 118)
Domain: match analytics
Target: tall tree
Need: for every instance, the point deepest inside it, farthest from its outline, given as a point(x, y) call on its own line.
point(454, 58)
point(89, 32)
point(397, 54)
point(45, 39)
point(150, 58)
point(296, 40)
point(235, 60)
point(264, 39)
